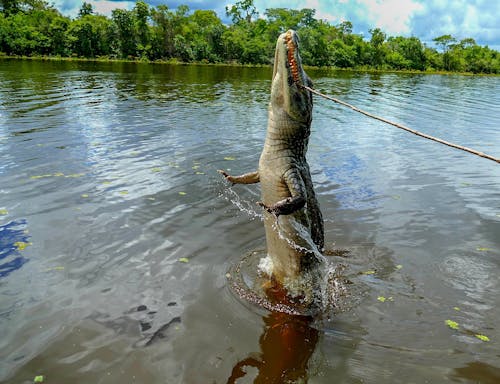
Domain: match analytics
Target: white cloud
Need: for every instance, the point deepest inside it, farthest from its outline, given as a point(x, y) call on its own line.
point(461, 18)
point(392, 16)
point(103, 7)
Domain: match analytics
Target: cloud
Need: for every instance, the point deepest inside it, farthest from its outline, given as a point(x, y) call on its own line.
point(460, 18)
point(392, 16)
point(104, 7)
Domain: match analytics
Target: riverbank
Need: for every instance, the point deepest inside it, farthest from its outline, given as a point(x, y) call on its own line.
point(362, 69)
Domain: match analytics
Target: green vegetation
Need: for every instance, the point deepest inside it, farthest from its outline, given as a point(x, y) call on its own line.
point(35, 28)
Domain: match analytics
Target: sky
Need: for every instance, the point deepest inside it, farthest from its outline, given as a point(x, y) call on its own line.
point(425, 19)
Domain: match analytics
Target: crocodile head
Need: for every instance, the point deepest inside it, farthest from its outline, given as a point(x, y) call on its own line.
point(288, 78)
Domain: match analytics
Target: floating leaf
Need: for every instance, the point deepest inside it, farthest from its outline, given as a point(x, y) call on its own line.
point(482, 337)
point(21, 245)
point(4, 212)
point(382, 299)
point(182, 193)
point(55, 269)
point(151, 198)
point(195, 166)
point(483, 249)
point(85, 195)
point(172, 164)
point(230, 158)
point(452, 324)
point(200, 173)
point(156, 169)
point(38, 379)
point(228, 275)
point(184, 260)
point(106, 182)
point(396, 197)
point(370, 272)
point(124, 192)
point(75, 175)
point(40, 176)
point(399, 266)
point(456, 309)
point(465, 184)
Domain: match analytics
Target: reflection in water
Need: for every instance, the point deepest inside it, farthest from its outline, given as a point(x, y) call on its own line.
point(478, 372)
point(286, 346)
point(13, 237)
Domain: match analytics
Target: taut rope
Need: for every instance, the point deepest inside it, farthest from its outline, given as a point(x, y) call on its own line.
point(401, 126)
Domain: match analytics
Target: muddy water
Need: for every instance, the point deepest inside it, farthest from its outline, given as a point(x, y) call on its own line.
point(116, 232)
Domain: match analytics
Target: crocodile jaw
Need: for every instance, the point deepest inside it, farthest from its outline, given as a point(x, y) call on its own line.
point(288, 79)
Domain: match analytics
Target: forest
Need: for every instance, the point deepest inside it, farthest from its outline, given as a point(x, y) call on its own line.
point(36, 28)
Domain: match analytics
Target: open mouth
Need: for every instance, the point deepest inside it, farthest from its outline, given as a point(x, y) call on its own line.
point(292, 62)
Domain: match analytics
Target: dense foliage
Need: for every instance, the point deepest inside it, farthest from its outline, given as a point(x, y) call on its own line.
point(33, 27)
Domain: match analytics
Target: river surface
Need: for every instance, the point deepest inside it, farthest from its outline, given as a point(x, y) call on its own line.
point(116, 232)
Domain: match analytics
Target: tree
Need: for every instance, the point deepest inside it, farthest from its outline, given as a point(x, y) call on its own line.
point(9, 6)
point(141, 14)
point(124, 21)
point(242, 11)
point(91, 36)
point(85, 10)
point(206, 31)
point(315, 46)
point(343, 55)
point(405, 53)
point(377, 43)
point(345, 31)
point(58, 36)
point(444, 42)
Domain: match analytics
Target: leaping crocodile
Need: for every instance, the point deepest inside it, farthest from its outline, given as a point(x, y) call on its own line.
point(292, 241)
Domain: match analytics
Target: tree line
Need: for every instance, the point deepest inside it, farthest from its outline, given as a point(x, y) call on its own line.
point(33, 27)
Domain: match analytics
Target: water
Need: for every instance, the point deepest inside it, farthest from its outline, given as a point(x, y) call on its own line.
point(116, 232)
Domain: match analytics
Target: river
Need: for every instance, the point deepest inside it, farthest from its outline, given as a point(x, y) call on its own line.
point(116, 232)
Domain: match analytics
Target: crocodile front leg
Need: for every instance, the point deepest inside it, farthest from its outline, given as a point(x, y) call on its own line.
point(297, 198)
point(246, 178)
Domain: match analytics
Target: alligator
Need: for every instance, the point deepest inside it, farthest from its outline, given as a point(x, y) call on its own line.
point(292, 217)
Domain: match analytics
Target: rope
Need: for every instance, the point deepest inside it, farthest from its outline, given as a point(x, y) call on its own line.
point(401, 126)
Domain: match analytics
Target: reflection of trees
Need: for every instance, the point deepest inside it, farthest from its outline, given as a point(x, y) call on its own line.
point(287, 343)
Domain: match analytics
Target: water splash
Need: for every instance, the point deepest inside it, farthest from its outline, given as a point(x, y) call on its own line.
point(246, 206)
point(249, 279)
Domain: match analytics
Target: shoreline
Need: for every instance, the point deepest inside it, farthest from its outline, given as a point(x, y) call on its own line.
point(234, 64)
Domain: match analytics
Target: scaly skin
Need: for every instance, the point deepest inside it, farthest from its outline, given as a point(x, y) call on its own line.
point(287, 188)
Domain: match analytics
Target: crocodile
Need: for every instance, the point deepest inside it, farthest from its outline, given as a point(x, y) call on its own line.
point(292, 218)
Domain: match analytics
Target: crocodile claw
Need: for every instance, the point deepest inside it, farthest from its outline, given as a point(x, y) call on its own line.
point(227, 176)
point(269, 209)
